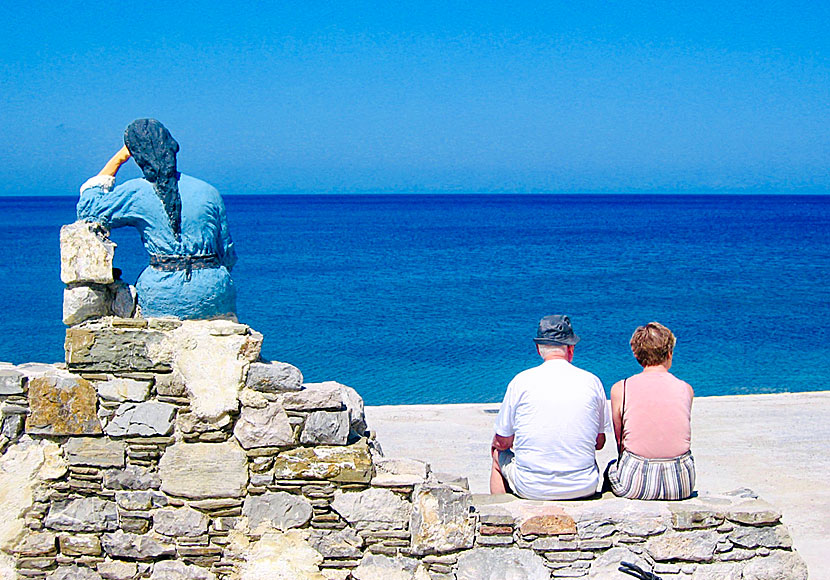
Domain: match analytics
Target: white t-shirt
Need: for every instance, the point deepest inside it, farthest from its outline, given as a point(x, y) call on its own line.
point(555, 411)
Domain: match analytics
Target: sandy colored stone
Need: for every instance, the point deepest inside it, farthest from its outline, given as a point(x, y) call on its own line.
point(346, 463)
point(117, 569)
point(62, 404)
point(276, 556)
point(176, 570)
point(276, 510)
point(440, 520)
point(120, 389)
point(500, 564)
point(550, 524)
point(372, 505)
point(694, 546)
point(204, 470)
point(86, 253)
point(95, 451)
point(264, 427)
point(82, 303)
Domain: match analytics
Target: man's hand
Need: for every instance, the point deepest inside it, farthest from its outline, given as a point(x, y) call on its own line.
point(502, 443)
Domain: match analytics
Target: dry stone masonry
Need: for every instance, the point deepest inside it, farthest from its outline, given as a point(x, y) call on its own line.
point(168, 450)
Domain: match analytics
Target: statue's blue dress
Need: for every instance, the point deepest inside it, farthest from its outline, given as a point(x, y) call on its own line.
point(188, 293)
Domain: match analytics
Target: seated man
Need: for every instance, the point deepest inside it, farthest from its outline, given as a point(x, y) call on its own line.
point(552, 419)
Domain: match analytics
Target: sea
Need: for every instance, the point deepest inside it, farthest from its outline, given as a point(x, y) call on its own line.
point(424, 299)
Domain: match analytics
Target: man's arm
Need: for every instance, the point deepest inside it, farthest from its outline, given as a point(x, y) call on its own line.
point(502, 443)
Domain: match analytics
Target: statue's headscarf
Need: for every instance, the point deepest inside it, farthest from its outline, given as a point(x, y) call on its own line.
point(154, 150)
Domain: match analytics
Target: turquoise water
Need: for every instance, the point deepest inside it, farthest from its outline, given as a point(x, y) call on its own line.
point(432, 299)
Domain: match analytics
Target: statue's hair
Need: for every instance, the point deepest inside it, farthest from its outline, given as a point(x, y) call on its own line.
point(154, 150)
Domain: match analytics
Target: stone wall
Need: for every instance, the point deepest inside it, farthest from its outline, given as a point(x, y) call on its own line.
point(167, 450)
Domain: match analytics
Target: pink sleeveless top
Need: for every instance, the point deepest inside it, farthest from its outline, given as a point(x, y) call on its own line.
point(656, 415)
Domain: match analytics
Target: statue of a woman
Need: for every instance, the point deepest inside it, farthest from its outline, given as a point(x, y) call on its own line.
point(181, 221)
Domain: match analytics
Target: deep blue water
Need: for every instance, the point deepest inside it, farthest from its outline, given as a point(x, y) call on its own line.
point(432, 299)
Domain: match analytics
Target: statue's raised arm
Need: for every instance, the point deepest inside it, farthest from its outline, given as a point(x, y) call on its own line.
point(181, 221)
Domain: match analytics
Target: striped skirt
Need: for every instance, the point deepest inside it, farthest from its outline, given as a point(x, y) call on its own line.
point(636, 477)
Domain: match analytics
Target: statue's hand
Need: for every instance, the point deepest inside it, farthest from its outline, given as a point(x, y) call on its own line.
point(115, 162)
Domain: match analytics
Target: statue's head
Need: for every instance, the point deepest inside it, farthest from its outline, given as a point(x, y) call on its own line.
point(153, 148)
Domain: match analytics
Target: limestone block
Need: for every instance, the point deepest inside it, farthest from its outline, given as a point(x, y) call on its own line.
point(251, 398)
point(204, 470)
point(86, 253)
point(326, 428)
point(87, 514)
point(146, 419)
point(278, 510)
point(315, 397)
point(695, 546)
point(36, 544)
point(354, 405)
point(278, 556)
point(718, 571)
point(264, 427)
point(134, 477)
point(12, 426)
point(343, 543)
point(120, 389)
point(192, 423)
point(346, 464)
point(74, 573)
point(62, 404)
point(80, 545)
point(379, 567)
point(35, 370)
point(767, 537)
point(95, 451)
point(176, 570)
point(139, 500)
point(209, 355)
point(117, 569)
point(120, 544)
point(100, 347)
point(178, 522)
point(170, 385)
point(554, 523)
point(501, 563)
point(440, 520)
point(82, 303)
point(11, 382)
point(372, 505)
point(777, 566)
point(753, 512)
point(274, 377)
point(393, 472)
point(124, 299)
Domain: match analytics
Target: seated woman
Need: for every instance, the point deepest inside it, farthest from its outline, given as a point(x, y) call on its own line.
point(652, 412)
point(181, 221)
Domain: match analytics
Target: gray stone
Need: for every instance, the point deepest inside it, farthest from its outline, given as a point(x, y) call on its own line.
point(13, 425)
point(278, 510)
point(81, 303)
point(98, 346)
point(192, 423)
point(89, 514)
point(440, 520)
point(399, 472)
point(717, 572)
point(265, 427)
point(178, 522)
point(11, 382)
point(372, 505)
point(94, 451)
point(146, 419)
point(326, 428)
point(120, 544)
point(139, 500)
point(768, 537)
point(500, 564)
point(607, 564)
point(315, 397)
point(124, 299)
point(62, 404)
point(695, 546)
point(170, 385)
point(117, 569)
point(121, 389)
point(37, 370)
point(73, 573)
point(354, 405)
point(132, 477)
point(86, 253)
point(175, 570)
point(343, 543)
point(777, 566)
point(204, 470)
point(274, 377)
point(36, 544)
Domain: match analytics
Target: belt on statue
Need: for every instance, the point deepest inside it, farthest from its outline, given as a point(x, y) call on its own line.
point(171, 263)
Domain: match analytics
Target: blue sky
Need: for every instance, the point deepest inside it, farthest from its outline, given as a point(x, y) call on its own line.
point(424, 97)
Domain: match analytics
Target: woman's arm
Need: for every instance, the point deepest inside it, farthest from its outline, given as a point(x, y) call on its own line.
point(115, 162)
point(616, 413)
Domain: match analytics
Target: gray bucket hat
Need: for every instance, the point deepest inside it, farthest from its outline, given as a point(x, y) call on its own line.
point(556, 329)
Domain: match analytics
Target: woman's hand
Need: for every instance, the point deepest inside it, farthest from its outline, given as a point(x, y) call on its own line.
point(115, 162)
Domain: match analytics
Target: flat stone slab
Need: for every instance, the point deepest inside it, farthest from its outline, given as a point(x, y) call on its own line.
point(95, 451)
point(99, 346)
point(346, 463)
point(146, 419)
point(204, 470)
